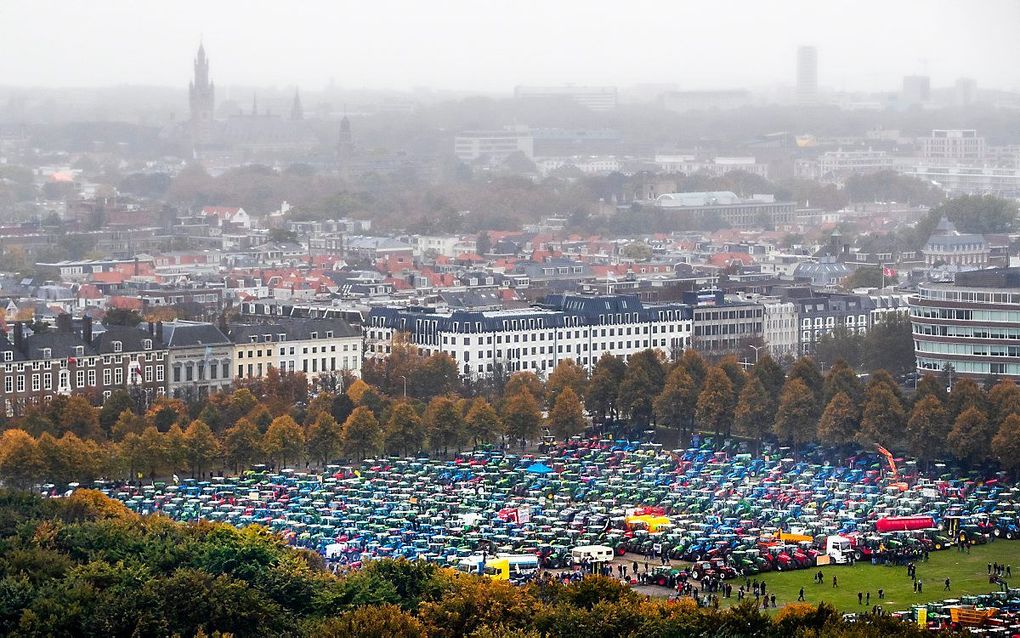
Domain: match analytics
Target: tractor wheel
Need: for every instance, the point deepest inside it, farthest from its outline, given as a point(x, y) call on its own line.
point(938, 545)
point(1010, 535)
point(857, 555)
point(661, 582)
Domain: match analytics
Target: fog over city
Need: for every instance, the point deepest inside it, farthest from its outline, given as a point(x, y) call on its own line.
point(493, 45)
point(509, 318)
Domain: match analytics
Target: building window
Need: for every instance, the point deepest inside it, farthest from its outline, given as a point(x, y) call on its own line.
point(47, 353)
point(107, 376)
point(226, 370)
point(92, 378)
point(21, 383)
point(35, 383)
point(159, 373)
point(8, 384)
point(47, 381)
point(118, 346)
point(177, 374)
point(118, 376)
point(148, 374)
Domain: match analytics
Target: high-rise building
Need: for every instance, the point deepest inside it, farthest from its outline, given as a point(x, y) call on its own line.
point(916, 90)
point(202, 98)
point(807, 75)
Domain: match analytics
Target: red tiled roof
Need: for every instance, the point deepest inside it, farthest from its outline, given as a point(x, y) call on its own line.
point(125, 303)
point(725, 259)
point(88, 291)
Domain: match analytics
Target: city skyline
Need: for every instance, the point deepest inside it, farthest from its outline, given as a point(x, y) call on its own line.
point(447, 46)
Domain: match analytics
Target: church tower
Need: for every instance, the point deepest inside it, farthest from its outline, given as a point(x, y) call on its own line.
point(297, 112)
point(202, 96)
point(345, 149)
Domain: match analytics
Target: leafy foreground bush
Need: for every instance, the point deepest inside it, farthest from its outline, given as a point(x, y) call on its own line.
point(87, 566)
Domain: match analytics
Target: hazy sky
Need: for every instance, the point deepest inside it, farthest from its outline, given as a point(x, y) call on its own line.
point(492, 45)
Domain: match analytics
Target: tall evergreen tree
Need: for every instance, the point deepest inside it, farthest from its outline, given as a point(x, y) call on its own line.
point(970, 440)
point(883, 420)
point(675, 405)
point(839, 424)
point(928, 429)
point(567, 416)
point(752, 417)
point(716, 402)
point(797, 416)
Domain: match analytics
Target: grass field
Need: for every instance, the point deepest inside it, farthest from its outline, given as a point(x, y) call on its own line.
point(968, 574)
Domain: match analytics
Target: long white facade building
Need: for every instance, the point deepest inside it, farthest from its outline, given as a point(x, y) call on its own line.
point(536, 339)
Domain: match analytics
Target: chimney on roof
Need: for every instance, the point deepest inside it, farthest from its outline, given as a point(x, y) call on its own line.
point(152, 329)
point(136, 266)
point(159, 331)
point(86, 329)
point(19, 335)
point(64, 322)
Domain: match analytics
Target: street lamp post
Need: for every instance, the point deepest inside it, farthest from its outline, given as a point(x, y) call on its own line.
point(405, 385)
point(756, 349)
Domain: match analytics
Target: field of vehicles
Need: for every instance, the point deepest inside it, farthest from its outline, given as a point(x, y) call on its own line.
point(726, 515)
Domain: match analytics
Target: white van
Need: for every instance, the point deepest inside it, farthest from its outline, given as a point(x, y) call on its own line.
point(593, 554)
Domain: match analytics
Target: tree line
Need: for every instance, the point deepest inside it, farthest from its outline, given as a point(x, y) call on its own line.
point(409, 404)
point(87, 566)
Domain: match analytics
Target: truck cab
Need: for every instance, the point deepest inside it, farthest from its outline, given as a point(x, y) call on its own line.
point(839, 549)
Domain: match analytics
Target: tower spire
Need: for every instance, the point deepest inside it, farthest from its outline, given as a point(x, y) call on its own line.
point(202, 97)
point(296, 110)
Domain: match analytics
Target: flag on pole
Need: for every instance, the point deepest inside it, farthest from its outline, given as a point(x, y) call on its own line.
point(888, 272)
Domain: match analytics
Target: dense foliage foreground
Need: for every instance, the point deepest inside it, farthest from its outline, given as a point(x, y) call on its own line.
point(86, 566)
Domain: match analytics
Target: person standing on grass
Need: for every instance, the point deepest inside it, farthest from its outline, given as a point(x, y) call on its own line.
point(946, 588)
point(881, 594)
point(860, 598)
point(801, 596)
point(920, 586)
point(834, 582)
point(867, 599)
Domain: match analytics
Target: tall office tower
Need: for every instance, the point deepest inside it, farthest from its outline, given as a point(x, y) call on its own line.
point(807, 75)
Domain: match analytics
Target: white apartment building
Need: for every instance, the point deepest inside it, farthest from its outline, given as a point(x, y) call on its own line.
point(715, 167)
point(953, 146)
point(779, 328)
point(596, 98)
point(444, 245)
point(839, 163)
point(311, 346)
point(536, 339)
point(971, 180)
point(497, 145)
